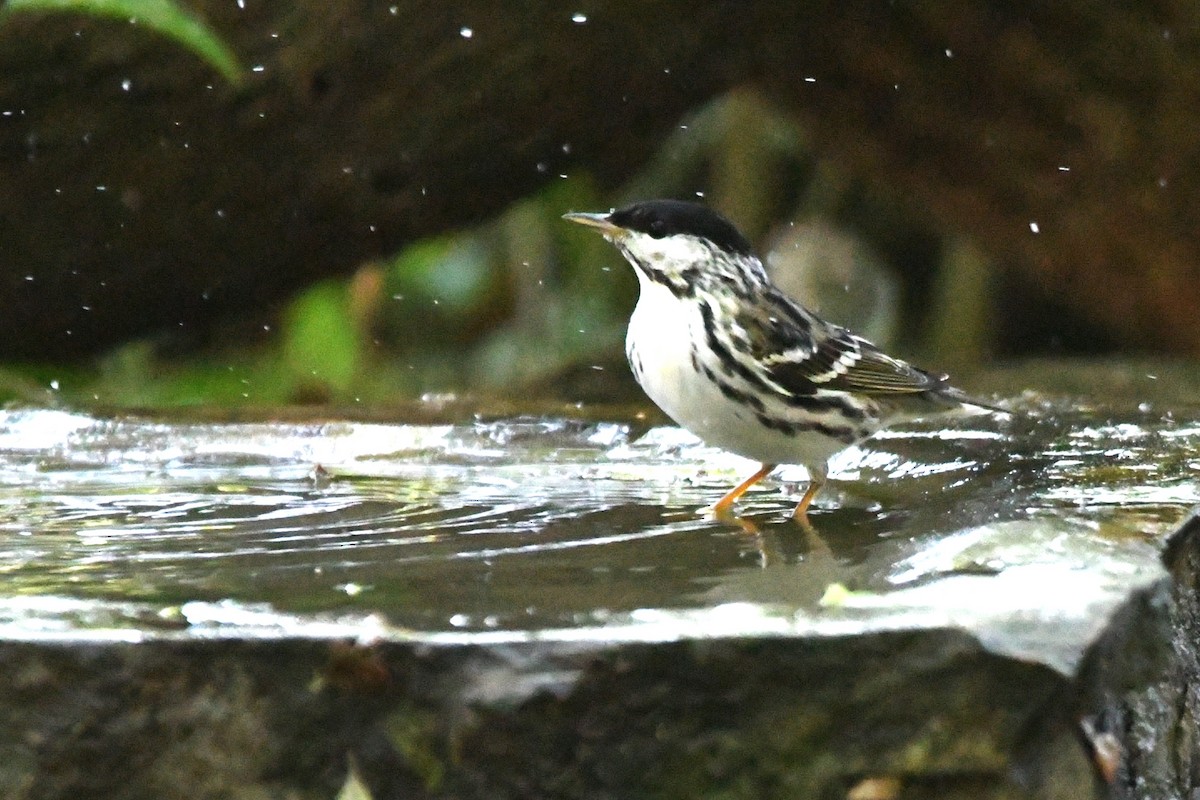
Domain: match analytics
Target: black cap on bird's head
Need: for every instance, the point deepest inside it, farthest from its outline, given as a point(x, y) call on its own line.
point(661, 218)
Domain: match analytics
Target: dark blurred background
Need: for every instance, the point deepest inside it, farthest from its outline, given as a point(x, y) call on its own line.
point(366, 206)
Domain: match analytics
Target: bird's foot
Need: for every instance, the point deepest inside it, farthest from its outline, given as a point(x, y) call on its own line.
point(727, 516)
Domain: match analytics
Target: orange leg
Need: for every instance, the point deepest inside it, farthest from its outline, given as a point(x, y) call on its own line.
point(721, 509)
point(816, 479)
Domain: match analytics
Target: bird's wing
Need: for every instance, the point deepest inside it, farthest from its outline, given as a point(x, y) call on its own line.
point(803, 354)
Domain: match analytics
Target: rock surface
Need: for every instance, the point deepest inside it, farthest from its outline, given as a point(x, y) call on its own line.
point(530, 607)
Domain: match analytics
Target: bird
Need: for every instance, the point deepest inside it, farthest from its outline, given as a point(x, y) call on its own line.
point(745, 367)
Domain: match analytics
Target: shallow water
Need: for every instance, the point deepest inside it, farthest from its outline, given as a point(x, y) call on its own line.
point(130, 527)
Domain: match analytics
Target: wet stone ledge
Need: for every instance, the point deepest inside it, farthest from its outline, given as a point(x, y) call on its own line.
point(531, 607)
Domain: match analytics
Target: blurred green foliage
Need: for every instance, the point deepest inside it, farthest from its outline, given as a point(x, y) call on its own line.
point(490, 310)
point(165, 17)
point(320, 343)
point(525, 306)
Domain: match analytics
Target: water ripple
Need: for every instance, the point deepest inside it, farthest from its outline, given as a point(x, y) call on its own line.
point(520, 522)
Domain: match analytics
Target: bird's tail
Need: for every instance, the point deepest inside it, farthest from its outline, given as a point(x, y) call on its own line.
point(959, 397)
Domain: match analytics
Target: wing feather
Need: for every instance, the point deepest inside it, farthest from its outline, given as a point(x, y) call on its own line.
point(802, 354)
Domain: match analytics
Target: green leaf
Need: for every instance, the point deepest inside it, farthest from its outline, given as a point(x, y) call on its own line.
point(164, 16)
point(320, 338)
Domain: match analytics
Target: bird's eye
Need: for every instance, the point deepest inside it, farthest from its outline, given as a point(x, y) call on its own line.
point(657, 229)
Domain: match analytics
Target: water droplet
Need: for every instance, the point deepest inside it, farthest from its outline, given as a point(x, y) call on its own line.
point(1064, 169)
point(126, 85)
point(579, 18)
point(949, 53)
point(466, 32)
point(1033, 226)
point(258, 68)
point(810, 80)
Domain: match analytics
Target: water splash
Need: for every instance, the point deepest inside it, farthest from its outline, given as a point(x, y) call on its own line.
point(525, 523)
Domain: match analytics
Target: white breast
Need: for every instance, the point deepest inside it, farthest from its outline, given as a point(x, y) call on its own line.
point(659, 343)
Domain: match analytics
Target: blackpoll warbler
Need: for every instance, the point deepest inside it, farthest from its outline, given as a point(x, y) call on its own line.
point(741, 365)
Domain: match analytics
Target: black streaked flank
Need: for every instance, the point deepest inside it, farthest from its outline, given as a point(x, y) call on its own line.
point(847, 435)
point(736, 395)
point(635, 363)
point(831, 403)
point(731, 365)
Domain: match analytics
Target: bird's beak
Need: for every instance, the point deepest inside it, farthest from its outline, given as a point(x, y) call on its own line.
point(598, 221)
